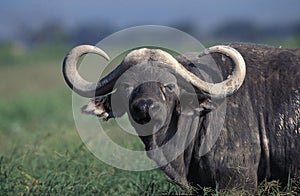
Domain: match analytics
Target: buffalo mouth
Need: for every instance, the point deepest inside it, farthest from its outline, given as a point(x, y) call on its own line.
point(143, 121)
point(141, 116)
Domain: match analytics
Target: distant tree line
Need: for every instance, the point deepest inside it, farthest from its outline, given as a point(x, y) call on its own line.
point(55, 32)
point(248, 31)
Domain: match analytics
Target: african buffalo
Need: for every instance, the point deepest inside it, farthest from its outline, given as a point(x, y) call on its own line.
point(260, 136)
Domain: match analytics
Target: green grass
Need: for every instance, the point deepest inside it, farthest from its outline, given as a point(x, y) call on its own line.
point(42, 153)
point(40, 150)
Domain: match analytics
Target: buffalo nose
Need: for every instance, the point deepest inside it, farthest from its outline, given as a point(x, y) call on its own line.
point(140, 111)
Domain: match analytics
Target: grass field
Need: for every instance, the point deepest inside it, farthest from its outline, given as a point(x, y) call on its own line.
point(40, 150)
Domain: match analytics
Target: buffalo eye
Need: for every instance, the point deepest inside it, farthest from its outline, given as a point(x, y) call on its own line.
point(167, 87)
point(170, 87)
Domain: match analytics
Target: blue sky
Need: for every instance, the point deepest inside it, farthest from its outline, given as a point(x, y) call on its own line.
point(204, 14)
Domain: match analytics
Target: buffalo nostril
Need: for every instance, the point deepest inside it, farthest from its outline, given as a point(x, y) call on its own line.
point(140, 108)
point(141, 111)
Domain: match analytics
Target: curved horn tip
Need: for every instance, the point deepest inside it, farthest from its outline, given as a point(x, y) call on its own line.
point(232, 83)
point(70, 72)
point(84, 49)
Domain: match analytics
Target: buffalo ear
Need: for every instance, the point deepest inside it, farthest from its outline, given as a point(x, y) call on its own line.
point(99, 106)
point(205, 106)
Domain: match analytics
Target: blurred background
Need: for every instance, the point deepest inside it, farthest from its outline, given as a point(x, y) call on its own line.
point(36, 22)
point(40, 150)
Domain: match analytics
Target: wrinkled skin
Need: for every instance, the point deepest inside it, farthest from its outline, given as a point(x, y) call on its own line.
point(260, 138)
